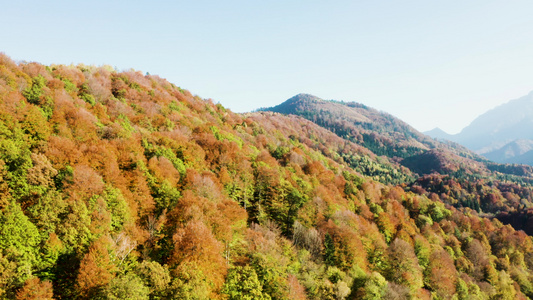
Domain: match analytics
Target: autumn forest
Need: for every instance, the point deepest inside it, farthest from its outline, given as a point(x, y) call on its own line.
point(122, 185)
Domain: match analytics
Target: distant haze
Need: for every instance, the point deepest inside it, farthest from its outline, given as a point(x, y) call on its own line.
point(503, 124)
point(503, 134)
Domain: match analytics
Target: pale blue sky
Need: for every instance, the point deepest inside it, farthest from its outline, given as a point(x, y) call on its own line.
point(430, 63)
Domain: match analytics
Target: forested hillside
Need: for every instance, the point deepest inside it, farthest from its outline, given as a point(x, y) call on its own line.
point(378, 131)
point(119, 185)
point(385, 135)
point(436, 162)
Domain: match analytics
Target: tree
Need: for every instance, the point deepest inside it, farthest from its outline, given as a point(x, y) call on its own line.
point(329, 250)
point(386, 227)
point(19, 240)
point(155, 277)
point(9, 277)
point(35, 289)
point(403, 265)
point(505, 288)
point(96, 270)
point(296, 289)
point(197, 258)
point(374, 287)
point(242, 283)
point(285, 208)
point(126, 287)
point(441, 275)
point(35, 91)
point(477, 254)
point(266, 255)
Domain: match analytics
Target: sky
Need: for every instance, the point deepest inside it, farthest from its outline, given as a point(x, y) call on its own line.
point(432, 64)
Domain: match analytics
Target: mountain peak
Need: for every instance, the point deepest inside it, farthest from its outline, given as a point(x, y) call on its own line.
point(438, 133)
point(377, 131)
point(295, 103)
point(303, 97)
point(500, 125)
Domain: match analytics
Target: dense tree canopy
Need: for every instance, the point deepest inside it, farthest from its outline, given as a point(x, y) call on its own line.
point(119, 185)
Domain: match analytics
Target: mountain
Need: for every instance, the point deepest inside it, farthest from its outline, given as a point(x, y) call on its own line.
point(526, 158)
point(384, 135)
point(500, 127)
point(439, 134)
point(396, 142)
point(120, 185)
point(377, 131)
point(517, 151)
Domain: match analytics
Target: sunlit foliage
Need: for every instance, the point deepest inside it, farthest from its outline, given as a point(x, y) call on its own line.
point(119, 185)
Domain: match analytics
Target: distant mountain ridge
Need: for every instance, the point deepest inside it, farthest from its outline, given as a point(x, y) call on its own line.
point(439, 134)
point(517, 151)
point(503, 134)
point(499, 126)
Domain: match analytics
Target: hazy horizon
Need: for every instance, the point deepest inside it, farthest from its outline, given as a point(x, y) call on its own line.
point(438, 64)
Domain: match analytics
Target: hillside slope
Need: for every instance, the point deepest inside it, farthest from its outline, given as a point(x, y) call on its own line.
point(119, 185)
point(377, 131)
point(386, 136)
